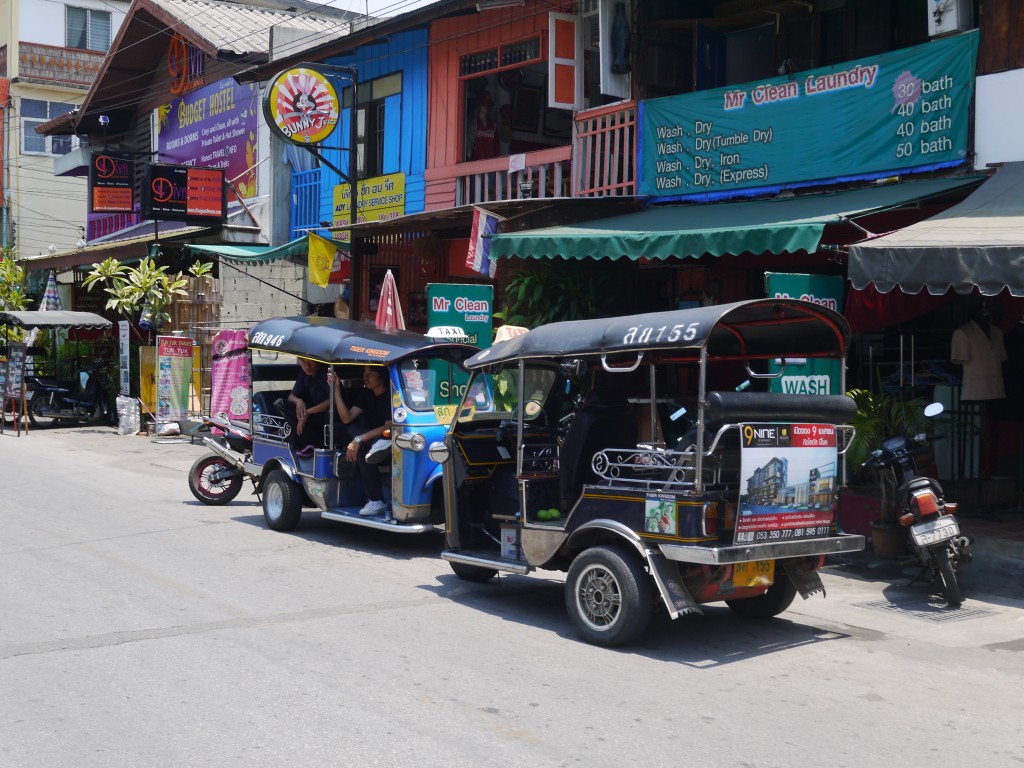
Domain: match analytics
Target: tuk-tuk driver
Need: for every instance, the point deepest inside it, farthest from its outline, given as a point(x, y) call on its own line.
point(367, 419)
point(307, 407)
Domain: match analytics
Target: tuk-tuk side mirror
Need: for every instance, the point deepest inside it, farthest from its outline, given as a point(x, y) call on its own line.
point(438, 452)
point(575, 367)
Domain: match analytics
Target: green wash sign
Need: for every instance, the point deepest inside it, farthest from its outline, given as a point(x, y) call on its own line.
point(902, 110)
point(807, 376)
point(469, 307)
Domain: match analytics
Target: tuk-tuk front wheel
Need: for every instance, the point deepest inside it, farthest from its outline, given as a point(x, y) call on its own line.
point(475, 573)
point(608, 595)
point(282, 501)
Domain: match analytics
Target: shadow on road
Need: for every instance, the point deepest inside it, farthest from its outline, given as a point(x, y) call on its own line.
point(394, 546)
point(717, 638)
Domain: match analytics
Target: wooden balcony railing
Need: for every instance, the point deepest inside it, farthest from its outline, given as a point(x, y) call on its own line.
point(66, 66)
point(604, 151)
point(483, 181)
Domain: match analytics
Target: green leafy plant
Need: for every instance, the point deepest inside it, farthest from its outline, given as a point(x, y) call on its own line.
point(147, 288)
point(550, 291)
point(881, 415)
point(12, 282)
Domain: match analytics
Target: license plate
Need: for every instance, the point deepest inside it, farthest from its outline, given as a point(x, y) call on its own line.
point(926, 534)
point(758, 573)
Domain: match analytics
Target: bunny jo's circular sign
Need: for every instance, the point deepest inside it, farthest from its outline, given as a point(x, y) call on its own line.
point(301, 106)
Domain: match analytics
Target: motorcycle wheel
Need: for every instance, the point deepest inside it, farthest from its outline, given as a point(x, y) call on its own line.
point(950, 586)
point(206, 487)
point(37, 413)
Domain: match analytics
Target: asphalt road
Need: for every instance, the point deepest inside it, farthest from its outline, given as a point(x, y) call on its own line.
point(140, 628)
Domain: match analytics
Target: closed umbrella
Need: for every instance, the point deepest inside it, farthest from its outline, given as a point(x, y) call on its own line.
point(389, 310)
point(49, 303)
point(51, 297)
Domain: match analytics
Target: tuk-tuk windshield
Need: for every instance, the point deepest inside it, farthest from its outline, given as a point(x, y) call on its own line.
point(431, 382)
point(503, 387)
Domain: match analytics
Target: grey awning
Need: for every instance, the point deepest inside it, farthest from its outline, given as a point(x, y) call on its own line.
point(55, 318)
point(977, 243)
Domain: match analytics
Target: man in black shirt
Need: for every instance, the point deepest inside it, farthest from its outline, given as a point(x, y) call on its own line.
point(307, 407)
point(367, 419)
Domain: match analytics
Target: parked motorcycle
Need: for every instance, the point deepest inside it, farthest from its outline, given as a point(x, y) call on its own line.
point(933, 533)
point(217, 478)
point(81, 400)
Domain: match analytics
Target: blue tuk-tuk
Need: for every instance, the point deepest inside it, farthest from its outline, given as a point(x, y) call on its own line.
point(426, 382)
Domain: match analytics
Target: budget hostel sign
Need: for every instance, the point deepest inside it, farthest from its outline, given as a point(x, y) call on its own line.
point(900, 111)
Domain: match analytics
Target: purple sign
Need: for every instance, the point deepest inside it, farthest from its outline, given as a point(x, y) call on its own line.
point(213, 127)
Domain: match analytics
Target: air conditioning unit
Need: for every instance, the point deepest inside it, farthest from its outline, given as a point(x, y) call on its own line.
point(948, 16)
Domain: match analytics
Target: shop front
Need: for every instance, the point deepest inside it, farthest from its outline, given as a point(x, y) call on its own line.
point(941, 308)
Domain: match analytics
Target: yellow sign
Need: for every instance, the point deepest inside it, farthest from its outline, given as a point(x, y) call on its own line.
point(444, 413)
point(380, 199)
point(301, 106)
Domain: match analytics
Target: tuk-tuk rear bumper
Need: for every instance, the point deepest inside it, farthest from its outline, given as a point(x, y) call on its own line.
point(772, 551)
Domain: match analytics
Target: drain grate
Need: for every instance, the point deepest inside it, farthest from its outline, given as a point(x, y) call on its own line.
point(923, 609)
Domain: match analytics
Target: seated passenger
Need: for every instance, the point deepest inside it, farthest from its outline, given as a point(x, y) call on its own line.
point(307, 407)
point(366, 420)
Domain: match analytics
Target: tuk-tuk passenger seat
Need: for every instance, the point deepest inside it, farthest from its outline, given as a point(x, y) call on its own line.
point(604, 420)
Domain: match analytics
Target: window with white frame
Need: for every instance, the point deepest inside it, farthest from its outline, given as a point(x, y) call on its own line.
point(35, 112)
point(86, 28)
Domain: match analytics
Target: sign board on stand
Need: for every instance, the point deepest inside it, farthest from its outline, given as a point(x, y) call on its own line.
point(174, 377)
point(123, 327)
point(469, 307)
point(804, 376)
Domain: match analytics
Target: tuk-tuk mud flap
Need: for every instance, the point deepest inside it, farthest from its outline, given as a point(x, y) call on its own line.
point(677, 598)
point(806, 582)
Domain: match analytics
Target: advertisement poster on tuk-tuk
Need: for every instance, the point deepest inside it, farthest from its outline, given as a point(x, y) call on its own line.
point(174, 377)
point(787, 482)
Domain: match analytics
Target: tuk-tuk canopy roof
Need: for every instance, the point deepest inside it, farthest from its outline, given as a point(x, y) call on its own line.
point(762, 328)
point(328, 340)
point(55, 318)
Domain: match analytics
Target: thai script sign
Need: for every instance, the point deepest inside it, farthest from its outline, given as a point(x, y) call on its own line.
point(213, 127)
point(301, 106)
point(381, 198)
point(902, 110)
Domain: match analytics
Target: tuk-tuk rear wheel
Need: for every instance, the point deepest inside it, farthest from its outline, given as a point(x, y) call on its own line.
point(282, 501)
point(774, 601)
point(608, 595)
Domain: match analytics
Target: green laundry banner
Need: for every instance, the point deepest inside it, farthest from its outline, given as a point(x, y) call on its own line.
point(807, 376)
point(896, 111)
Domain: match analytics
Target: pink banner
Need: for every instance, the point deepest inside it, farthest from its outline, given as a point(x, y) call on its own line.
point(229, 375)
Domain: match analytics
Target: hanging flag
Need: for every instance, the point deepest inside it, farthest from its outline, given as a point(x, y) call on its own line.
point(323, 256)
point(478, 258)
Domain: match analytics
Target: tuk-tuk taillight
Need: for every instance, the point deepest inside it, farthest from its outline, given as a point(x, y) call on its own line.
point(710, 518)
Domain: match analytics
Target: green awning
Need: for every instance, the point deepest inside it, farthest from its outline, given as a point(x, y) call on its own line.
point(779, 225)
point(254, 254)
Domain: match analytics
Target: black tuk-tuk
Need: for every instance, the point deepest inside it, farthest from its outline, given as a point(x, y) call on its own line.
point(620, 450)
